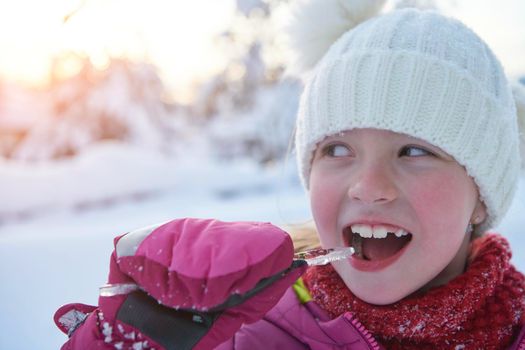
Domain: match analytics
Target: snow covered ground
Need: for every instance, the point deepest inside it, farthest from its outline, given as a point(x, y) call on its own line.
point(61, 256)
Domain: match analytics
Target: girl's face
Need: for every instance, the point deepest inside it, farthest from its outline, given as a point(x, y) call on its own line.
point(403, 203)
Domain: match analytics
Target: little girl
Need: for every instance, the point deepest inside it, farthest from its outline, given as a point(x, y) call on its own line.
point(407, 142)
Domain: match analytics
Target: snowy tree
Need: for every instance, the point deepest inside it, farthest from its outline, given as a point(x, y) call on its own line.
point(421, 4)
point(251, 108)
point(247, 7)
point(123, 102)
point(19, 109)
point(263, 133)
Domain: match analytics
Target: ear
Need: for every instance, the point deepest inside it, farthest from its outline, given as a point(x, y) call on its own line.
point(479, 214)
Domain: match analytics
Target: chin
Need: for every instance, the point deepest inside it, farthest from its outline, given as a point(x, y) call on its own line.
point(368, 289)
point(381, 299)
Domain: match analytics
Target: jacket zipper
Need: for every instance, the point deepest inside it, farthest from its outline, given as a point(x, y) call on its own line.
point(368, 337)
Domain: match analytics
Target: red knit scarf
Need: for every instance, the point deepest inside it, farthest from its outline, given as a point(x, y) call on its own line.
point(480, 309)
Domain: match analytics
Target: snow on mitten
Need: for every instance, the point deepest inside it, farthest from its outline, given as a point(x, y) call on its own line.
point(199, 280)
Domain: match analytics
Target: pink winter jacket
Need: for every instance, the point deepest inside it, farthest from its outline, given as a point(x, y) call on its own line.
point(293, 326)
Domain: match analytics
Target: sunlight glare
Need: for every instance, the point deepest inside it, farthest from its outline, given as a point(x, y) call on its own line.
point(175, 35)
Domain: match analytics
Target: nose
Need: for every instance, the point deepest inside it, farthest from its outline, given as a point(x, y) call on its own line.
point(373, 184)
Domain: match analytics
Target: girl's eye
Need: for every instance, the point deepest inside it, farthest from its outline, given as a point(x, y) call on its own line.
point(336, 150)
point(413, 151)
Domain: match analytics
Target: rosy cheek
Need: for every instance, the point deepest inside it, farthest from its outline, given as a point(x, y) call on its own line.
point(428, 193)
point(438, 196)
point(324, 209)
point(321, 206)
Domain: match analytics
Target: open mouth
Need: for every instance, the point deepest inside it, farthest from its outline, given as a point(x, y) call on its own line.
point(375, 243)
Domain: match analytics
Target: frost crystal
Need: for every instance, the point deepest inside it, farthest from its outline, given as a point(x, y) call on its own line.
point(419, 326)
point(72, 319)
point(139, 345)
point(107, 331)
point(130, 336)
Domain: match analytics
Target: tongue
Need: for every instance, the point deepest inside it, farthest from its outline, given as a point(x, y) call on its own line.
point(379, 249)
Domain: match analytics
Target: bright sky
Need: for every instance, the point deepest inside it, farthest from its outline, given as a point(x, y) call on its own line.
point(177, 35)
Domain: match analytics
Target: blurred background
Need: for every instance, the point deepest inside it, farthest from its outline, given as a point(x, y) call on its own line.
point(118, 114)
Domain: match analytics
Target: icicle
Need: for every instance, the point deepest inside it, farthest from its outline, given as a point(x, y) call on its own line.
point(322, 256)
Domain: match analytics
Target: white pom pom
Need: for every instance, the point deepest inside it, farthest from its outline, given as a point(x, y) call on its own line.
point(316, 24)
point(518, 91)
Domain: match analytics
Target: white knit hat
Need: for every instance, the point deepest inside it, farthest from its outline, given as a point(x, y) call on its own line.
point(421, 74)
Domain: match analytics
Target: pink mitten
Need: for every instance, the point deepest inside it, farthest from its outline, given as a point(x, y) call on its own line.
point(199, 281)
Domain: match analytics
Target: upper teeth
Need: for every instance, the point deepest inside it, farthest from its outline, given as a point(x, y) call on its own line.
point(367, 231)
